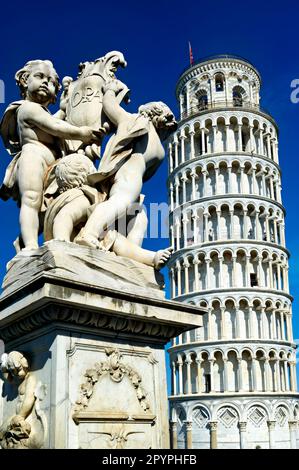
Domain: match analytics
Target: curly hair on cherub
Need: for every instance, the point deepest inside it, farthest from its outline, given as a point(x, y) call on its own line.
point(13, 362)
point(22, 75)
point(72, 171)
point(159, 113)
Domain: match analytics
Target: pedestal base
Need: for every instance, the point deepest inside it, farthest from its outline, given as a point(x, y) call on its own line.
point(99, 353)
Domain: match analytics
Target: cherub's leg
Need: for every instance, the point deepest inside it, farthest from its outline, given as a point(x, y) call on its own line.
point(30, 181)
point(68, 217)
point(124, 247)
point(137, 227)
point(123, 193)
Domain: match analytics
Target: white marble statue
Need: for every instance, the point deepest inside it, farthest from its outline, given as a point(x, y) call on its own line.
point(52, 174)
point(75, 203)
point(36, 136)
point(131, 157)
point(27, 428)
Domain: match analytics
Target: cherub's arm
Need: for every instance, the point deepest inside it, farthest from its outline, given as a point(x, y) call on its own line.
point(60, 114)
point(34, 115)
point(29, 397)
point(151, 170)
point(111, 106)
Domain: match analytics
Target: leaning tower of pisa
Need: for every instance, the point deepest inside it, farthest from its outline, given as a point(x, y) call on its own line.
point(234, 380)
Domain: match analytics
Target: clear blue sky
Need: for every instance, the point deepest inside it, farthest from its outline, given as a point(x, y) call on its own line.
point(154, 38)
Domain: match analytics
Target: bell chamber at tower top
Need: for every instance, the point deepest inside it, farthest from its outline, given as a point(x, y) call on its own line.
point(218, 83)
point(220, 113)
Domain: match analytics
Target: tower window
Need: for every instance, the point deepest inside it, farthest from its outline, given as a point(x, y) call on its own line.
point(238, 96)
point(219, 82)
point(253, 280)
point(207, 378)
point(202, 99)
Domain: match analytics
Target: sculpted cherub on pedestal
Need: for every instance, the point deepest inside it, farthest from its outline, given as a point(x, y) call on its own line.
point(36, 138)
point(76, 201)
point(45, 146)
point(27, 427)
point(131, 157)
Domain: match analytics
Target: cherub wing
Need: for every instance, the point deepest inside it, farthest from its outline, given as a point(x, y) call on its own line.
point(9, 128)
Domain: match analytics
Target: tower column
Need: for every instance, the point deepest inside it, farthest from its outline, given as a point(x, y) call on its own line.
point(180, 364)
point(260, 142)
point(209, 323)
point(234, 260)
point(254, 182)
point(186, 272)
point(264, 323)
point(195, 228)
point(214, 139)
point(225, 374)
point(208, 283)
point(232, 223)
point(211, 361)
point(286, 376)
point(188, 434)
point(240, 146)
point(184, 180)
point(192, 150)
point(229, 171)
point(177, 196)
point(203, 150)
point(271, 273)
point(182, 138)
point(271, 428)
point(293, 434)
point(242, 428)
point(193, 179)
point(196, 273)
point(223, 326)
point(245, 224)
point(220, 259)
point(174, 387)
point(240, 376)
point(251, 139)
point(218, 233)
point(171, 197)
point(176, 154)
point(206, 219)
point(188, 388)
point(217, 179)
point(178, 267)
point(174, 434)
point(170, 157)
point(267, 376)
point(213, 434)
point(199, 376)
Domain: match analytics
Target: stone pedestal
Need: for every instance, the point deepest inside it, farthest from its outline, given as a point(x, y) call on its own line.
point(93, 328)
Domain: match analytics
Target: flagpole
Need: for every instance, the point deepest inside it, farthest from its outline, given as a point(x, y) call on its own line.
point(190, 54)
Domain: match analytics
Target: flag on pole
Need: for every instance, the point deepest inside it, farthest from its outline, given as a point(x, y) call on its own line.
point(191, 54)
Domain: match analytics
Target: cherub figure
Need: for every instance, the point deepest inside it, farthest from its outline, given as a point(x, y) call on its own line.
point(35, 138)
point(77, 199)
point(131, 157)
point(20, 431)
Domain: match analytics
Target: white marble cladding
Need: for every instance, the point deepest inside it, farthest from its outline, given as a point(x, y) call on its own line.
point(227, 227)
point(223, 132)
point(265, 421)
point(233, 367)
point(226, 83)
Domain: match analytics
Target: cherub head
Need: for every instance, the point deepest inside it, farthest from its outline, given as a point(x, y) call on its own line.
point(72, 171)
point(14, 364)
point(38, 82)
point(160, 115)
